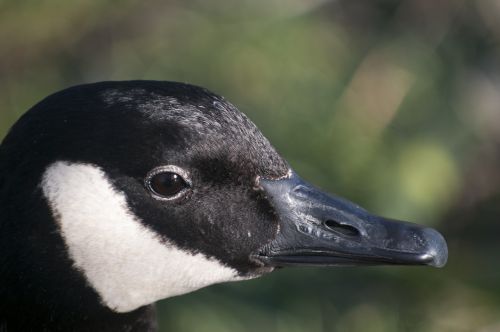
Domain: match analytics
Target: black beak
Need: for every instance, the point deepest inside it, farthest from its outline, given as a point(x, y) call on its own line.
point(321, 230)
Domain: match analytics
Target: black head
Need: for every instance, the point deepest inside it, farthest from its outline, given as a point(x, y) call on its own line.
point(194, 172)
point(139, 134)
point(131, 129)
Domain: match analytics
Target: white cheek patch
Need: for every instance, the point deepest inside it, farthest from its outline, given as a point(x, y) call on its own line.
point(126, 263)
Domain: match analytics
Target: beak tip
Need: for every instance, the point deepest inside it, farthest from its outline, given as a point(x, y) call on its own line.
point(437, 248)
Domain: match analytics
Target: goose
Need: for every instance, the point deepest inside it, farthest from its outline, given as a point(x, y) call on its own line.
point(114, 195)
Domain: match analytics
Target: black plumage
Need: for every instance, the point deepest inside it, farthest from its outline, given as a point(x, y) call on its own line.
point(245, 208)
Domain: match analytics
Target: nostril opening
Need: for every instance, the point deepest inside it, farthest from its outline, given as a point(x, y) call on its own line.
point(342, 229)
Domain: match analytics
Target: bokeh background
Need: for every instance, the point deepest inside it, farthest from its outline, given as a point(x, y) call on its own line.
point(392, 104)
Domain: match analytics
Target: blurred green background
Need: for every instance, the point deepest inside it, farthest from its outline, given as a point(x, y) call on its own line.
point(392, 104)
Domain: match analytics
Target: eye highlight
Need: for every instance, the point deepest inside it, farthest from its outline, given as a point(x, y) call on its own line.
point(168, 182)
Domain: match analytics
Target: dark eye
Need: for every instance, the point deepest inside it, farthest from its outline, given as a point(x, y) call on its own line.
point(166, 184)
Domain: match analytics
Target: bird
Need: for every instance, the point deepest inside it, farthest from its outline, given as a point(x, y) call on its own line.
point(117, 194)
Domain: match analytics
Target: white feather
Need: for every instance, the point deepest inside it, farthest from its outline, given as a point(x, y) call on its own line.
point(126, 263)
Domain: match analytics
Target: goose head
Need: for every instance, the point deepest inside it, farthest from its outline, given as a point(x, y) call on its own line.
point(131, 192)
